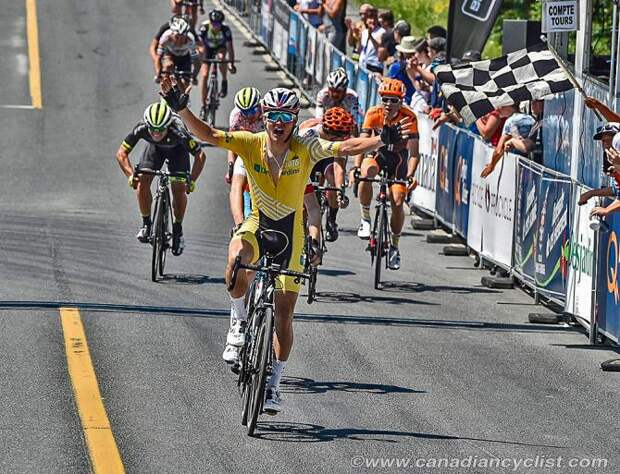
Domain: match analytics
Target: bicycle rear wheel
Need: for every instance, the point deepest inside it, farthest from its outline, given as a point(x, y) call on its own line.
point(259, 372)
point(157, 241)
point(379, 247)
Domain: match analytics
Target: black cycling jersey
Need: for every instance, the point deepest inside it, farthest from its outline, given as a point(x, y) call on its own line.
point(212, 39)
point(177, 135)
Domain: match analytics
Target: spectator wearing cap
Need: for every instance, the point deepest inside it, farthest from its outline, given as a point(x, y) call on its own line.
point(398, 70)
point(370, 43)
point(312, 10)
point(355, 29)
point(609, 135)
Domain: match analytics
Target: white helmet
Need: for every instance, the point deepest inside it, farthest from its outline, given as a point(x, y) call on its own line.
point(179, 25)
point(281, 98)
point(337, 79)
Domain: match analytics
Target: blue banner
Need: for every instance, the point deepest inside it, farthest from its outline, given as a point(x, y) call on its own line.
point(293, 42)
point(463, 157)
point(445, 176)
point(553, 236)
point(337, 59)
point(526, 221)
point(374, 93)
point(608, 292)
point(351, 68)
point(557, 134)
point(362, 88)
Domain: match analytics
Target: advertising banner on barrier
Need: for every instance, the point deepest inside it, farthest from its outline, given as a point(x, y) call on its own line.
point(444, 204)
point(351, 68)
point(266, 21)
point(362, 88)
point(554, 202)
point(337, 59)
point(293, 43)
point(526, 219)
point(319, 53)
point(581, 259)
point(424, 194)
point(461, 182)
point(608, 281)
point(492, 206)
point(311, 51)
point(280, 30)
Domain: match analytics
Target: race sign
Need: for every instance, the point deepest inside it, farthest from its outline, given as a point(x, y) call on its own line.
point(559, 16)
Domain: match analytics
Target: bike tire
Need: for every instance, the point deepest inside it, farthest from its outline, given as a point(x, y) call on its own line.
point(166, 232)
point(379, 249)
point(157, 239)
point(211, 116)
point(259, 377)
point(312, 284)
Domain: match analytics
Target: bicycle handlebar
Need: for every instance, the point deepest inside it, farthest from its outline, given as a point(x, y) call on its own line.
point(273, 270)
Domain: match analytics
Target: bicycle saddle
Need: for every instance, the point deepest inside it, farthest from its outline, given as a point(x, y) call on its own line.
point(274, 242)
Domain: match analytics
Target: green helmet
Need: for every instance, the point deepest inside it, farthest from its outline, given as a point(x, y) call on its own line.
point(247, 98)
point(158, 115)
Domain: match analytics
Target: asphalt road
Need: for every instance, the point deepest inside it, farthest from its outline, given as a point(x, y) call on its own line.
point(434, 366)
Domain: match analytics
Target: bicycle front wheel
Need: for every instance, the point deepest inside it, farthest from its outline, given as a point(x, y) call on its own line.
point(158, 237)
point(259, 375)
point(379, 247)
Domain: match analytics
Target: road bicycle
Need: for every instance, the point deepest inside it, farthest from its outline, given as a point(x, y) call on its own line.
point(212, 96)
point(161, 221)
point(182, 77)
point(380, 235)
point(256, 355)
point(190, 9)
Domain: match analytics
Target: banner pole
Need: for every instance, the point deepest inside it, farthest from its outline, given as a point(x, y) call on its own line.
point(594, 305)
point(570, 75)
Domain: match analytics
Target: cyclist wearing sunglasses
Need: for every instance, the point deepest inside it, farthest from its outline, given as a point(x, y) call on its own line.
point(216, 43)
point(176, 49)
point(167, 139)
point(246, 116)
point(336, 125)
point(278, 163)
point(400, 162)
point(338, 94)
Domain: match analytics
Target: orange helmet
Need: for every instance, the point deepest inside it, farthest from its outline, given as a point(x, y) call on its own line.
point(392, 87)
point(338, 121)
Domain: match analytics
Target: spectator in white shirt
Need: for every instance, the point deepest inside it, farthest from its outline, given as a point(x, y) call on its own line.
point(370, 43)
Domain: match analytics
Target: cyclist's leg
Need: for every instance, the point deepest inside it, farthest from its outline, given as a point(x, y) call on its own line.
point(398, 194)
point(204, 76)
point(244, 244)
point(178, 162)
point(221, 55)
point(167, 64)
point(369, 169)
point(151, 159)
point(175, 7)
point(313, 213)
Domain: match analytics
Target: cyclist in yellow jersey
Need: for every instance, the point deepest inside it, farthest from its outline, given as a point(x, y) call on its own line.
point(278, 163)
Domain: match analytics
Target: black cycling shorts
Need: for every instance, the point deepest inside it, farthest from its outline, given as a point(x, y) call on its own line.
point(211, 53)
point(321, 168)
point(181, 63)
point(393, 162)
point(154, 156)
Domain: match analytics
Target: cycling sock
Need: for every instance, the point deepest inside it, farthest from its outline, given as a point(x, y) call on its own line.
point(237, 309)
point(395, 239)
point(365, 212)
point(146, 221)
point(177, 228)
point(276, 374)
point(332, 212)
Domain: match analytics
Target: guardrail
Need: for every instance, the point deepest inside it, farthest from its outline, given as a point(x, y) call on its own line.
point(523, 217)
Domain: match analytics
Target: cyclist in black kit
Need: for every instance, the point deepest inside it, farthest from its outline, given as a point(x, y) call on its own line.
point(215, 42)
point(167, 139)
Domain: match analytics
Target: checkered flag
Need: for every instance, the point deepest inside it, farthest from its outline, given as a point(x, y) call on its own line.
point(478, 88)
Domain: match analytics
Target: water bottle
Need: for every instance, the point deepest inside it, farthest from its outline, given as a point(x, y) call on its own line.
point(598, 222)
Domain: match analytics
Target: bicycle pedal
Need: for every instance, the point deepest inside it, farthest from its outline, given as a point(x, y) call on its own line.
point(235, 368)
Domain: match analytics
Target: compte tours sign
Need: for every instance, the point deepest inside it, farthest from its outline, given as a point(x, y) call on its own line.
point(560, 16)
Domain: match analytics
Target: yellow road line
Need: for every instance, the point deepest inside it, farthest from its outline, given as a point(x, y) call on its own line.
point(34, 70)
point(104, 454)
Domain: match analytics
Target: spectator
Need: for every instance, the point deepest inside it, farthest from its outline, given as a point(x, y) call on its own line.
point(370, 42)
point(355, 29)
point(388, 42)
point(491, 125)
point(401, 29)
point(517, 127)
point(398, 70)
point(605, 111)
point(421, 97)
point(533, 144)
point(312, 10)
point(436, 31)
point(336, 29)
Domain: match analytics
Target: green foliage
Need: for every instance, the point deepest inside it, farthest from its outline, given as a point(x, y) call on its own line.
point(511, 9)
point(419, 13)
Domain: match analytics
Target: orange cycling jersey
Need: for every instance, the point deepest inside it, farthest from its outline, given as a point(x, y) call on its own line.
point(375, 117)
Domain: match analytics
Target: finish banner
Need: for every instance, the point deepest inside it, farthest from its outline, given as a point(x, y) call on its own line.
point(492, 206)
point(608, 284)
point(424, 194)
point(581, 259)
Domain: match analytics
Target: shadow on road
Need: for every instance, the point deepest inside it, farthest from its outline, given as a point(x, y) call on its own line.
point(299, 385)
point(191, 279)
point(343, 297)
point(413, 287)
point(309, 433)
point(335, 272)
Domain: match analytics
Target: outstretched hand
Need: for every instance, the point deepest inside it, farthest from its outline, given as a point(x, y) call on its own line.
point(172, 94)
point(402, 131)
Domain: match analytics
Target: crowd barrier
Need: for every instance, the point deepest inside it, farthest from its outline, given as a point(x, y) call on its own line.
point(523, 217)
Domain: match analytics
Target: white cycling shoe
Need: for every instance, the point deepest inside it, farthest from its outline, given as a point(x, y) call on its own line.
point(363, 232)
point(230, 354)
point(236, 333)
point(273, 401)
